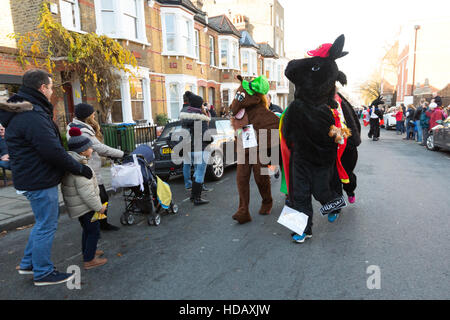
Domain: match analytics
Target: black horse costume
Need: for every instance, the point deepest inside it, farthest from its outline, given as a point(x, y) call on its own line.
point(376, 116)
point(321, 133)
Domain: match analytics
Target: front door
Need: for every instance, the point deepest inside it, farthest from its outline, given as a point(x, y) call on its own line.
point(68, 101)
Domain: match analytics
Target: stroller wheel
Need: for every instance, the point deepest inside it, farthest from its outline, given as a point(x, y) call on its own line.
point(174, 208)
point(123, 218)
point(130, 219)
point(154, 220)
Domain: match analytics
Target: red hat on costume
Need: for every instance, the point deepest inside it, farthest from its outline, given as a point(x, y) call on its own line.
point(322, 51)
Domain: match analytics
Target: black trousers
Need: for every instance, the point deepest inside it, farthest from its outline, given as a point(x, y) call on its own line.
point(308, 180)
point(349, 160)
point(374, 128)
point(91, 234)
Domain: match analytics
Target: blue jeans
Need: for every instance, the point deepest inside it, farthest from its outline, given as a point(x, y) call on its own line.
point(5, 164)
point(409, 131)
point(200, 162)
point(45, 206)
point(419, 131)
point(91, 234)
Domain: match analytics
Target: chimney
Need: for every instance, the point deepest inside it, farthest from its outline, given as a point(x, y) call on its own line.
point(198, 4)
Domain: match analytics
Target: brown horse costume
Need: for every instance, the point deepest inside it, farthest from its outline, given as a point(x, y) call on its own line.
point(257, 114)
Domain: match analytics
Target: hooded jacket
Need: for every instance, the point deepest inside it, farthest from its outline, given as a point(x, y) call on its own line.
point(37, 156)
point(81, 195)
point(100, 149)
point(189, 120)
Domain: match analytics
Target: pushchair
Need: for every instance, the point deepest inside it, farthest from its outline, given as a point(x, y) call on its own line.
point(146, 202)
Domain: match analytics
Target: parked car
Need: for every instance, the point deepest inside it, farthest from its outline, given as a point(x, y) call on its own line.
point(223, 140)
point(389, 118)
point(440, 137)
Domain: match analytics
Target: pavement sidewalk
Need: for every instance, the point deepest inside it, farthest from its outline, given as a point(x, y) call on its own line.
point(15, 209)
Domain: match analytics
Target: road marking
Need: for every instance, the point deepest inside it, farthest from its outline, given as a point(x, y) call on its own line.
point(75, 256)
point(222, 181)
point(185, 200)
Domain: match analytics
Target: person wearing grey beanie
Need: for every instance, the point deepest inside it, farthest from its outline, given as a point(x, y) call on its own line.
point(86, 122)
point(82, 199)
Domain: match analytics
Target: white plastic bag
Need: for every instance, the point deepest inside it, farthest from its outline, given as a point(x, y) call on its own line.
point(293, 220)
point(127, 175)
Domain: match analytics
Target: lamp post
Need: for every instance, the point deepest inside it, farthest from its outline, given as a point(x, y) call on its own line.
point(416, 27)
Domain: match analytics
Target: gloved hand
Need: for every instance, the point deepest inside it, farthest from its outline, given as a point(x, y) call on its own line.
point(86, 172)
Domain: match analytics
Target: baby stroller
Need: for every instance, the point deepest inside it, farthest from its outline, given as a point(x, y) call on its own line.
point(147, 202)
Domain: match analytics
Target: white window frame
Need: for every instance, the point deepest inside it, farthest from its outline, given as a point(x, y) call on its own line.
point(212, 51)
point(182, 80)
point(135, 18)
point(197, 44)
point(232, 52)
point(181, 17)
point(172, 35)
point(141, 73)
point(252, 61)
point(76, 12)
point(120, 27)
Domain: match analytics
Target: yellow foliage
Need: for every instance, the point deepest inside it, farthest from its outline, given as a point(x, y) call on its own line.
point(92, 57)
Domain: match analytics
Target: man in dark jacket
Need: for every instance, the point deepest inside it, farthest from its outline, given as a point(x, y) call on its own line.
point(38, 163)
point(196, 121)
point(273, 107)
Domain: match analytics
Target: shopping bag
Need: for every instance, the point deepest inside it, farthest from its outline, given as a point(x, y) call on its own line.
point(293, 219)
point(127, 175)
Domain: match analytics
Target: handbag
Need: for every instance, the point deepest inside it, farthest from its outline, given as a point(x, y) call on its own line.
point(127, 175)
point(293, 219)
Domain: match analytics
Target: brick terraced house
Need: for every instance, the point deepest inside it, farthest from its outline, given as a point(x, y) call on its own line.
point(176, 45)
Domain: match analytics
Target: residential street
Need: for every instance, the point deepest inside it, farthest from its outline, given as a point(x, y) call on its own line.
point(399, 223)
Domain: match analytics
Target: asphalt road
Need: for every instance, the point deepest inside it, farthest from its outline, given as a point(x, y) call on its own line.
point(398, 226)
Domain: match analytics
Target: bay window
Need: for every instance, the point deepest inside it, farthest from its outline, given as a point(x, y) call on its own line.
point(229, 53)
point(179, 36)
point(121, 19)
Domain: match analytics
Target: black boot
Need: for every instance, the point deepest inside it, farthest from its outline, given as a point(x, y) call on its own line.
point(205, 188)
point(197, 194)
point(105, 226)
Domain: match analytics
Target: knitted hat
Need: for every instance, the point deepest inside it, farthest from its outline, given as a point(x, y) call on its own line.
point(77, 143)
point(438, 101)
point(83, 111)
point(194, 100)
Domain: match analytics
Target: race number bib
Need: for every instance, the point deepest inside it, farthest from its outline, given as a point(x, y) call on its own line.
point(249, 137)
